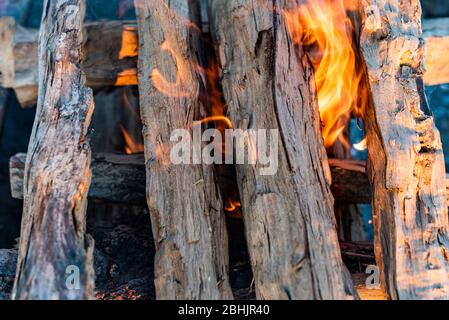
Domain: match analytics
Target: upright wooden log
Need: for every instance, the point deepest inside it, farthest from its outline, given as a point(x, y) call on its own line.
point(406, 163)
point(53, 243)
point(186, 210)
point(290, 227)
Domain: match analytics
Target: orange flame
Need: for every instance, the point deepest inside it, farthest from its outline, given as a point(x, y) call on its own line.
point(224, 119)
point(232, 205)
point(324, 29)
point(131, 145)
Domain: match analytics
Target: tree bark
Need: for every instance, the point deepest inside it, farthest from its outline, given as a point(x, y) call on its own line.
point(114, 62)
point(290, 227)
point(53, 243)
point(406, 162)
point(186, 210)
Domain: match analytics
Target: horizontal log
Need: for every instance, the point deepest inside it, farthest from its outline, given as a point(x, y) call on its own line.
point(114, 62)
point(436, 33)
point(110, 51)
point(121, 178)
point(349, 181)
point(115, 177)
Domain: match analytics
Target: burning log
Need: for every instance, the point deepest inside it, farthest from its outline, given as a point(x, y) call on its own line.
point(53, 242)
point(111, 63)
point(406, 162)
point(115, 178)
point(186, 210)
point(289, 219)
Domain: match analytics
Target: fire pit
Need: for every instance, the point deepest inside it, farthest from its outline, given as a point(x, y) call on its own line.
point(224, 151)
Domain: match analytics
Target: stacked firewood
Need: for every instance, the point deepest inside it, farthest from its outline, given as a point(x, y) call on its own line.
point(266, 82)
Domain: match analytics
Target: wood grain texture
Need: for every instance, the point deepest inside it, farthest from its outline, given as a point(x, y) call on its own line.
point(289, 221)
point(185, 206)
point(57, 172)
point(406, 162)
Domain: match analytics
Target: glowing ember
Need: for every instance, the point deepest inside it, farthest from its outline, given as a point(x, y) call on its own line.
point(324, 29)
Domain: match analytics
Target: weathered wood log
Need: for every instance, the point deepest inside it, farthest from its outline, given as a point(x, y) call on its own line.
point(186, 210)
point(115, 178)
point(111, 63)
point(406, 162)
point(289, 220)
point(114, 62)
point(53, 243)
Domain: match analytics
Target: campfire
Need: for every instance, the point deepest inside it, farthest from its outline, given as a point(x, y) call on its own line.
point(245, 151)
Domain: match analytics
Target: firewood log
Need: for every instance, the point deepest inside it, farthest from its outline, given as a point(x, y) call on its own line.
point(406, 161)
point(115, 178)
point(289, 220)
point(53, 243)
point(109, 51)
point(186, 210)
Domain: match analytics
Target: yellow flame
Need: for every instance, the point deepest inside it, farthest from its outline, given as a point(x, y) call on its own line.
point(361, 146)
point(130, 44)
point(324, 29)
point(232, 205)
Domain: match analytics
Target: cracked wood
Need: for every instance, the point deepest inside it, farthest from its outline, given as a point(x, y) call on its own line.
point(57, 171)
